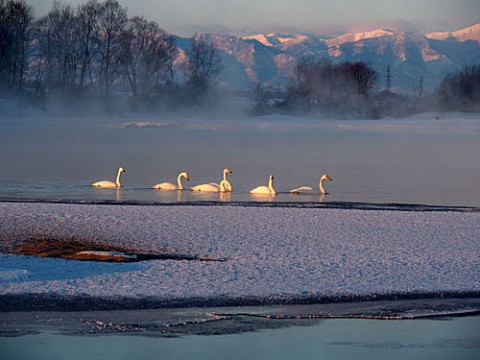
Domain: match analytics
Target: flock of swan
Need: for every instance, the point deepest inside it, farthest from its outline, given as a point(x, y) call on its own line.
point(222, 187)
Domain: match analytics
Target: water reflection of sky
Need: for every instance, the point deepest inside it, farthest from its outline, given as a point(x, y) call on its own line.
point(424, 160)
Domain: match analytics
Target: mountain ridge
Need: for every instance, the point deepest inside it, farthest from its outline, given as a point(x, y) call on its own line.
point(468, 33)
point(413, 57)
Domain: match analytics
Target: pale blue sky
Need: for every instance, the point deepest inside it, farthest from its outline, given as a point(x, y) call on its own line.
point(239, 17)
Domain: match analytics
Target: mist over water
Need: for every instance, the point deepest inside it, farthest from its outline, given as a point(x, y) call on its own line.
point(428, 159)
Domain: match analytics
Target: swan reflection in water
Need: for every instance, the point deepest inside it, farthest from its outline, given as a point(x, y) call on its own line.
point(173, 196)
point(225, 196)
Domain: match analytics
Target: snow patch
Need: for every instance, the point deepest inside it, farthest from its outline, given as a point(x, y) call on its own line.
point(354, 37)
point(261, 38)
point(95, 254)
point(469, 33)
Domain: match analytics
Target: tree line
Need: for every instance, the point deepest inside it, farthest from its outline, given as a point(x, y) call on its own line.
point(97, 50)
point(320, 84)
point(321, 87)
point(460, 90)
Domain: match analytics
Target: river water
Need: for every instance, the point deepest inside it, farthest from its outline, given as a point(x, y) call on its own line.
point(429, 159)
point(446, 338)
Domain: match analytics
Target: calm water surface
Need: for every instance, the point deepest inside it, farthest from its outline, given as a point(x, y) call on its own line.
point(432, 159)
point(456, 338)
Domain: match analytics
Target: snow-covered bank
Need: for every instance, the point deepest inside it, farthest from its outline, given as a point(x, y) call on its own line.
point(272, 253)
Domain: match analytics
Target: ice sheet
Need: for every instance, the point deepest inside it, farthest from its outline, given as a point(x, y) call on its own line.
point(273, 254)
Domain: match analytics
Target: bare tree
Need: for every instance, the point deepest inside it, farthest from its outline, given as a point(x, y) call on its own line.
point(460, 90)
point(320, 84)
point(203, 65)
point(87, 21)
point(261, 95)
point(5, 41)
point(362, 75)
point(146, 55)
point(111, 23)
point(58, 48)
point(16, 18)
point(316, 84)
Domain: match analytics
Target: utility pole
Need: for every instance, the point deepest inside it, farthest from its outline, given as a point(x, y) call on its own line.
point(388, 80)
point(420, 87)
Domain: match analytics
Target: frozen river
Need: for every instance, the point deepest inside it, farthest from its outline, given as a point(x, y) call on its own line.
point(398, 231)
point(255, 254)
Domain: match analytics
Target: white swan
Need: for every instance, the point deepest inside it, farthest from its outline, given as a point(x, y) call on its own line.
point(265, 190)
point(304, 189)
point(170, 186)
point(224, 185)
point(110, 184)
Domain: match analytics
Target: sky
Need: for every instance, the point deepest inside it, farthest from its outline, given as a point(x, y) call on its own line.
point(244, 17)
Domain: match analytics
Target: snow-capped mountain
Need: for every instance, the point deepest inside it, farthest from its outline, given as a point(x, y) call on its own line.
point(270, 58)
point(470, 33)
point(355, 37)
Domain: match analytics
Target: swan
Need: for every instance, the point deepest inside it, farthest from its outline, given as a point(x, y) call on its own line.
point(224, 185)
point(265, 190)
point(170, 186)
point(110, 184)
point(309, 188)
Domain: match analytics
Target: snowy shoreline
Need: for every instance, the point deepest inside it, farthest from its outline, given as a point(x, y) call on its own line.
point(274, 255)
point(267, 202)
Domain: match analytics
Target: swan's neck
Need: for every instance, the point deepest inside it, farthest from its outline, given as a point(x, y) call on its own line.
point(224, 175)
point(118, 178)
point(270, 186)
point(225, 186)
point(322, 189)
point(179, 182)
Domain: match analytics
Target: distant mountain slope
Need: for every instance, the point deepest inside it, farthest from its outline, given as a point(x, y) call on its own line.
point(469, 33)
point(270, 58)
point(354, 37)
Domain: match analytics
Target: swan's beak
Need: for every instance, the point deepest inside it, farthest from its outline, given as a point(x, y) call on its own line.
point(329, 178)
